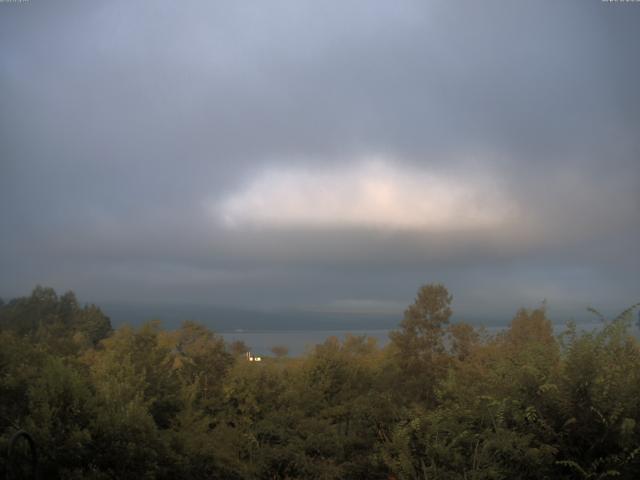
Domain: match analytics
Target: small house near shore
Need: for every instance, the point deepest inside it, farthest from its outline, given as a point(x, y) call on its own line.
point(251, 358)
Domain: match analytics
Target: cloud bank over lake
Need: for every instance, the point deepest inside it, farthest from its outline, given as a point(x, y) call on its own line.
point(303, 154)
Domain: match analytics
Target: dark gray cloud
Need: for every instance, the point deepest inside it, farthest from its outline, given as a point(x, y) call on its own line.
point(124, 126)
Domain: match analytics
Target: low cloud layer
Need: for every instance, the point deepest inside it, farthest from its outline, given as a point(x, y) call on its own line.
point(367, 194)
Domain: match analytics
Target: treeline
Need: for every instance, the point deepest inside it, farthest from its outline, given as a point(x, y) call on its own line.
point(441, 401)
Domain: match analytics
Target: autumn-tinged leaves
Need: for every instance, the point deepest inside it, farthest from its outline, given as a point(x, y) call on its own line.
point(443, 400)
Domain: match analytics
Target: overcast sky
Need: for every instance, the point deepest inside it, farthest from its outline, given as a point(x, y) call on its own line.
point(326, 155)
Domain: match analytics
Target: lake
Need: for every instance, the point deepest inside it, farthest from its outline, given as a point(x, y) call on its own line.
point(300, 341)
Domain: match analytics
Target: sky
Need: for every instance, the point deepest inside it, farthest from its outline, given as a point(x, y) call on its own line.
point(322, 156)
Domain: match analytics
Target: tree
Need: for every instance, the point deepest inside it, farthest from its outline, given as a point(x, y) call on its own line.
point(198, 356)
point(463, 338)
point(280, 351)
point(419, 343)
point(238, 347)
point(56, 322)
point(60, 414)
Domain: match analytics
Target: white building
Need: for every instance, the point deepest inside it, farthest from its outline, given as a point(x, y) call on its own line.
point(251, 358)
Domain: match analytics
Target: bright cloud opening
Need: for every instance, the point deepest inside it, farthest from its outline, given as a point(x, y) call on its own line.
point(370, 194)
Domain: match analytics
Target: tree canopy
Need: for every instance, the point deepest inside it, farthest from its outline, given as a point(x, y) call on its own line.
point(442, 400)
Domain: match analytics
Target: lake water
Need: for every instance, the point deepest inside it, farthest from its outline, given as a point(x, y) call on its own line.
point(301, 341)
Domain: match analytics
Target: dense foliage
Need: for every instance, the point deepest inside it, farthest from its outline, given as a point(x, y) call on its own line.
point(441, 401)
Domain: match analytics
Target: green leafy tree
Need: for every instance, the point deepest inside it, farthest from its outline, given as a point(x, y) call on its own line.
point(419, 342)
point(59, 324)
point(444, 401)
point(60, 415)
point(126, 440)
point(280, 351)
